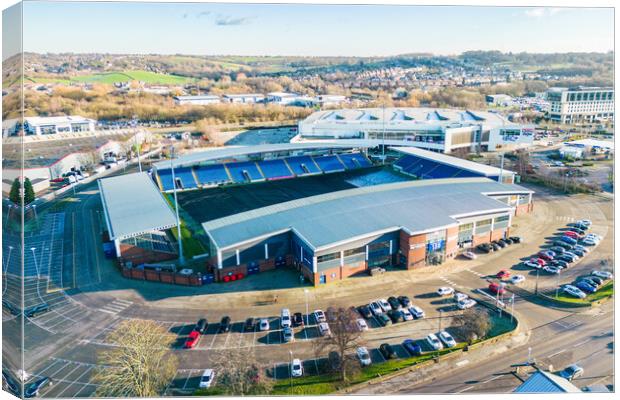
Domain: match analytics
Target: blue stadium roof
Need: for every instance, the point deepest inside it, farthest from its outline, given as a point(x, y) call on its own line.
point(545, 382)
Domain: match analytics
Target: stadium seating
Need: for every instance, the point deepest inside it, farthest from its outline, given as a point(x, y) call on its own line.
point(302, 165)
point(275, 169)
point(242, 172)
point(165, 177)
point(428, 169)
point(211, 174)
point(329, 164)
point(185, 175)
point(404, 162)
point(354, 160)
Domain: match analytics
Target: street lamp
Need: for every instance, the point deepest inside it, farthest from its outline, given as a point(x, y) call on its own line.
point(34, 256)
point(307, 313)
point(290, 370)
point(34, 208)
point(557, 289)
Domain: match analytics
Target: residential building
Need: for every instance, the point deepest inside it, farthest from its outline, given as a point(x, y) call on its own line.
point(581, 104)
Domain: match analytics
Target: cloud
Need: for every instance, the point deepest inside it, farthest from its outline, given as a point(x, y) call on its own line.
point(227, 20)
point(541, 12)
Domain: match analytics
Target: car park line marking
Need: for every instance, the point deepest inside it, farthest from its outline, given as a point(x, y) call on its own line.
point(556, 353)
point(461, 363)
point(77, 381)
point(49, 366)
point(466, 389)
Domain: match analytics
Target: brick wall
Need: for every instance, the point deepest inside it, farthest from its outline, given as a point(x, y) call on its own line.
point(139, 255)
point(415, 256)
point(452, 246)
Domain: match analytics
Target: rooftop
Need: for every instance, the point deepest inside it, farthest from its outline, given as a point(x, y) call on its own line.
point(35, 121)
point(133, 206)
point(200, 97)
point(545, 382)
point(329, 219)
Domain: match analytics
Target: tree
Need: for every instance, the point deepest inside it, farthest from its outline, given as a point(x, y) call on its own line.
point(473, 323)
point(14, 194)
point(344, 339)
point(28, 192)
point(139, 363)
point(239, 374)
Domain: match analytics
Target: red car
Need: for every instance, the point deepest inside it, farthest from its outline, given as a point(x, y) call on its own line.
point(573, 235)
point(545, 256)
point(497, 288)
point(503, 274)
point(540, 261)
point(192, 339)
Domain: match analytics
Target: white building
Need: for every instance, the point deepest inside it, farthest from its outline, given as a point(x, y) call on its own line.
point(499, 99)
point(201, 100)
point(249, 98)
point(282, 98)
point(330, 99)
point(581, 104)
point(442, 130)
point(52, 125)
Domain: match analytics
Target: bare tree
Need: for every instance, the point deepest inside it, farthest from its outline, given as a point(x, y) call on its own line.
point(239, 374)
point(473, 323)
point(344, 339)
point(139, 362)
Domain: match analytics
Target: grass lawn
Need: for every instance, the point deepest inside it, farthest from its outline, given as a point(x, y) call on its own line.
point(191, 245)
point(604, 291)
point(120, 76)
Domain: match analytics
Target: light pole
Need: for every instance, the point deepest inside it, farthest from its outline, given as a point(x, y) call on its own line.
point(536, 288)
point(557, 289)
point(307, 313)
point(176, 208)
point(34, 208)
point(34, 256)
point(290, 370)
point(501, 168)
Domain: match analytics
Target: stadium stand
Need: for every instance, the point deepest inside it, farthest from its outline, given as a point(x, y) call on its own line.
point(329, 164)
point(302, 165)
point(165, 177)
point(275, 169)
point(354, 160)
point(427, 169)
point(186, 176)
point(152, 241)
point(243, 172)
point(211, 174)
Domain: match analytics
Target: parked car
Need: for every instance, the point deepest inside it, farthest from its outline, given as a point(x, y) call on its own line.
point(285, 318)
point(384, 320)
point(566, 258)
point(466, 303)
point(224, 324)
point(364, 356)
point(445, 291)
point(559, 263)
point(34, 389)
point(192, 339)
point(470, 255)
point(586, 287)
point(588, 241)
point(298, 319)
point(406, 314)
point(447, 339)
point(501, 244)
point(458, 296)
point(387, 351)
point(417, 312)
point(596, 279)
point(404, 300)
point(546, 255)
point(33, 311)
point(573, 235)
point(539, 260)
point(365, 311)
point(503, 274)
point(385, 306)
point(508, 240)
point(324, 329)
point(571, 372)
point(504, 242)
point(581, 248)
point(590, 282)
point(568, 240)
point(396, 316)
point(563, 244)
point(603, 274)
point(495, 246)
point(434, 342)
point(497, 288)
point(412, 347)
point(201, 326)
point(485, 248)
point(557, 250)
point(207, 378)
point(263, 324)
point(249, 325)
point(394, 303)
point(361, 324)
point(376, 308)
point(551, 269)
point(516, 279)
point(577, 230)
point(585, 222)
point(573, 291)
point(319, 316)
point(516, 239)
point(297, 369)
point(287, 335)
point(532, 264)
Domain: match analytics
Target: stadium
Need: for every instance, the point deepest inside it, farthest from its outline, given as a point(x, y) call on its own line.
point(328, 210)
point(441, 130)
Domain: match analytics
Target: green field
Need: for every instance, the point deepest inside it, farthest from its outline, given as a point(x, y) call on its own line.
point(121, 76)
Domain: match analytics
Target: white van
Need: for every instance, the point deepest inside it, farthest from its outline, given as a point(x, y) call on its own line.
point(285, 318)
point(208, 376)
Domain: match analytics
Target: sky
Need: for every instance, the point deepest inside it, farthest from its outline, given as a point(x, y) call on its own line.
point(310, 30)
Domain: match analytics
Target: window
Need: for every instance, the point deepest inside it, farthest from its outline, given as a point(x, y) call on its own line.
point(501, 222)
point(355, 251)
point(328, 257)
point(483, 226)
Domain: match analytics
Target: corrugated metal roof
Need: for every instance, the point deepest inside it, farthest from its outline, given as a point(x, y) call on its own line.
point(133, 205)
point(486, 170)
point(329, 219)
point(545, 382)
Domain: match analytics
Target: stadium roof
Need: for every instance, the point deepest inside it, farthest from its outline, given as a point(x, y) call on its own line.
point(486, 170)
point(330, 219)
point(133, 205)
point(545, 382)
point(236, 151)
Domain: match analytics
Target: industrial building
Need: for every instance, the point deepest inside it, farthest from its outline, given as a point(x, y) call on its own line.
point(196, 100)
point(39, 126)
point(248, 98)
point(440, 130)
point(581, 104)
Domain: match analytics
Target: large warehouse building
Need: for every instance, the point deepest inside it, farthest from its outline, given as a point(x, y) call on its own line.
point(440, 130)
point(332, 236)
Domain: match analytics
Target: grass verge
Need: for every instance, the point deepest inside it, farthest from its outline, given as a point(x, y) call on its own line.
point(605, 291)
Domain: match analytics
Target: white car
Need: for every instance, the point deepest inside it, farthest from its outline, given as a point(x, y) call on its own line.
point(466, 303)
point(208, 376)
point(361, 324)
point(376, 308)
point(297, 369)
point(445, 291)
point(447, 339)
point(407, 314)
point(363, 355)
point(385, 306)
point(263, 324)
point(319, 315)
point(458, 296)
point(589, 242)
point(285, 318)
point(585, 222)
point(417, 312)
point(603, 274)
point(434, 342)
point(551, 269)
point(516, 279)
point(582, 248)
point(470, 254)
point(532, 264)
point(574, 291)
point(574, 256)
point(324, 329)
